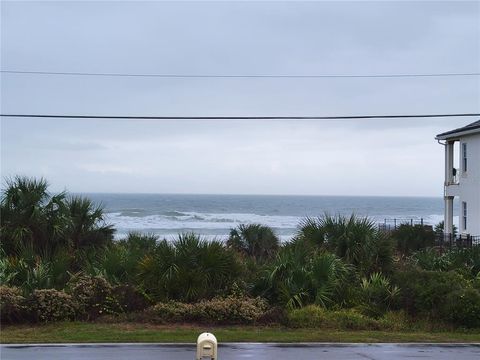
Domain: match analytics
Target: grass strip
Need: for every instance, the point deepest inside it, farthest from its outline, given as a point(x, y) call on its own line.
point(82, 332)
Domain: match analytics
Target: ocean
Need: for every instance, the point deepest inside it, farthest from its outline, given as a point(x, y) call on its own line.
point(212, 216)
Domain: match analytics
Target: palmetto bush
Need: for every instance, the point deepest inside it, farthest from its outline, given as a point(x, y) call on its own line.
point(296, 278)
point(465, 261)
point(119, 262)
point(112, 262)
point(354, 239)
point(311, 233)
point(284, 281)
point(188, 269)
point(27, 275)
point(378, 295)
point(29, 271)
point(430, 259)
point(254, 240)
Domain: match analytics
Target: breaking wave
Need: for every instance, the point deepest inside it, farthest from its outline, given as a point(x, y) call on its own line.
point(170, 223)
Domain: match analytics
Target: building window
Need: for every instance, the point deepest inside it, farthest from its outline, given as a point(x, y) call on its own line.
point(464, 157)
point(464, 215)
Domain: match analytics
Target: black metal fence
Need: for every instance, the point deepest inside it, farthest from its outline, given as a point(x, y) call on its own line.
point(445, 240)
point(442, 240)
point(389, 225)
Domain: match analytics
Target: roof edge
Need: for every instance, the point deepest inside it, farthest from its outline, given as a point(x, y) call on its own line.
point(466, 130)
point(456, 134)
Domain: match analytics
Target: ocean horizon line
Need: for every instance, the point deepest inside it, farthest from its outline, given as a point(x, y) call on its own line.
point(253, 195)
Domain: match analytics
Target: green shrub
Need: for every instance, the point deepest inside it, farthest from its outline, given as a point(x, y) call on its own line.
point(313, 316)
point(276, 315)
point(130, 298)
point(377, 295)
point(462, 307)
point(396, 321)
point(94, 296)
point(310, 316)
point(51, 305)
point(12, 304)
point(430, 259)
point(465, 261)
point(424, 292)
point(352, 320)
point(229, 310)
point(476, 282)
point(411, 238)
point(172, 311)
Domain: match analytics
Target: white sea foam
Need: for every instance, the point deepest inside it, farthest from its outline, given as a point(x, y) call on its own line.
point(216, 225)
point(193, 220)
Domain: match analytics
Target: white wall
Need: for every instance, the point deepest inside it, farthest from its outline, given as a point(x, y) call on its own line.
point(469, 189)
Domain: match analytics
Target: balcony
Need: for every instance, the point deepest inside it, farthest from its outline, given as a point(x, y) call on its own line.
point(452, 183)
point(452, 190)
point(454, 178)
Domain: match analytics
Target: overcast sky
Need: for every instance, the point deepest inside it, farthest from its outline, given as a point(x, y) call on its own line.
point(368, 157)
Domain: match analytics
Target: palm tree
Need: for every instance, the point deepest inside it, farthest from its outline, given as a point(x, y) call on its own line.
point(254, 240)
point(31, 216)
point(87, 226)
point(34, 218)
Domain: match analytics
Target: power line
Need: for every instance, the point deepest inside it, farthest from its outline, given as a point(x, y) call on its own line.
point(246, 76)
point(128, 117)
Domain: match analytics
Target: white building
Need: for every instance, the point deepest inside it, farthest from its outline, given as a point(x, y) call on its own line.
point(464, 182)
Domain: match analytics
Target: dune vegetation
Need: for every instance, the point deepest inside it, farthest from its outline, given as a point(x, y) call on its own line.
point(59, 262)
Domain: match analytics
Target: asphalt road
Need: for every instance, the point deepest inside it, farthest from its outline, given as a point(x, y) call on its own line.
point(243, 351)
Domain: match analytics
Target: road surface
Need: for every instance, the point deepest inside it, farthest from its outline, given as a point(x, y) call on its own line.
point(240, 351)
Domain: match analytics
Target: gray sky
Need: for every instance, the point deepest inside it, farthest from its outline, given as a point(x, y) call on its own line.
point(370, 157)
